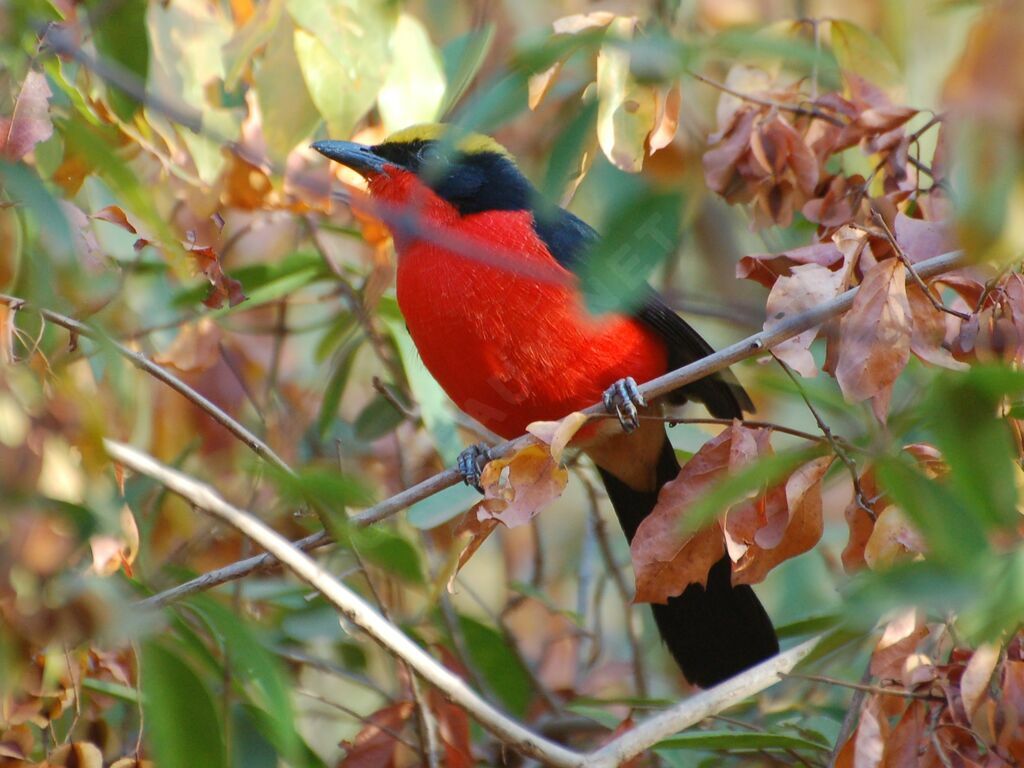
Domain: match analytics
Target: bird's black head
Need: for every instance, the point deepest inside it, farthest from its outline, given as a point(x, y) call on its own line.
point(471, 171)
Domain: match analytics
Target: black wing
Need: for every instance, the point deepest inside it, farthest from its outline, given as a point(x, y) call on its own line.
point(568, 238)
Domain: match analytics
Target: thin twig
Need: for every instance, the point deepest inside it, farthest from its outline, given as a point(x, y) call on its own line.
point(600, 529)
point(796, 109)
point(143, 363)
point(850, 718)
point(876, 689)
point(851, 466)
point(752, 345)
point(509, 731)
point(902, 255)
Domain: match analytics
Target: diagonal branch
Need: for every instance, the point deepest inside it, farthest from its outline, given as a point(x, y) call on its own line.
point(748, 347)
point(158, 372)
point(509, 731)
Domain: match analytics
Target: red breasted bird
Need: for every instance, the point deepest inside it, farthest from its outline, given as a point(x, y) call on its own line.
point(511, 347)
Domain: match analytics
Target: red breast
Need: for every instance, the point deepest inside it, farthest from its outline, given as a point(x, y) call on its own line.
point(507, 347)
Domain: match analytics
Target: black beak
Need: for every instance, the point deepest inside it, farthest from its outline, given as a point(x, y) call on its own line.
point(359, 157)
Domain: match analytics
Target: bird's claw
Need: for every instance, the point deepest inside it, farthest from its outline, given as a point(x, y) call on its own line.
point(622, 399)
point(472, 462)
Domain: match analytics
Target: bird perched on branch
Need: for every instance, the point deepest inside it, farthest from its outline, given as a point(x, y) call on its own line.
point(487, 285)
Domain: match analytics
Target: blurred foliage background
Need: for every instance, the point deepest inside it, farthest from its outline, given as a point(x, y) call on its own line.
point(157, 185)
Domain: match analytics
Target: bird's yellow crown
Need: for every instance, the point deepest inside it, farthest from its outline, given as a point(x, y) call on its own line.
point(468, 143)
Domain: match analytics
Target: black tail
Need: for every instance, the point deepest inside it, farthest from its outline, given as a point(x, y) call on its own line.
point(713, 632)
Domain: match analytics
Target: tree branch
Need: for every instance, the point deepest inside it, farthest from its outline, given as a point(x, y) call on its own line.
point(158, 372)
point(749, 347)
point(509, 731)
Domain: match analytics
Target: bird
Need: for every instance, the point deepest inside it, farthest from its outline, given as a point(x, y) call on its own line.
point(487, 280)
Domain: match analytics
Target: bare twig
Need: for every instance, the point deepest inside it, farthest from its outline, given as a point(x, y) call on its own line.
point(902, 255)
point(510, 732)
point(876, 689)
point(748, 347)
point(143, 363)
point(796, 109)
point(837, 449)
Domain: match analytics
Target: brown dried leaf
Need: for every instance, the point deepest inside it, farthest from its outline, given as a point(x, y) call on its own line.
point(376, 745)
point(930, 326)
point(860, 523)
point(558, 434)
point(904, 743)
point(667, 121)
point(875, 335)
point(977, 674)
point(517, 487)
point(666, 562)
point(222, 287)
point(893, 538)
point(805, 287)
point(792, 525)
point(115, 215)
point(922, 239)
point(766, 268)
point(111, 553)
point(195, 348)
point(899, 640)
point(29, 123)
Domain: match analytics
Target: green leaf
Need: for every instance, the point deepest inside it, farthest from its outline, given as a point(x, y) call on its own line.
point(442, 507)
point(500, 668)
point(389, 550)
point(860, 52)
point(326, 488)
point(744, 741)
point(963, 413)
point(954, 533)
point(377, 419)
point(567, 152)
point(182, 725)
point(254, 669)
point(462, 59)
point(187, 37)
point(289, 114)
point(638, 237)
point(342, 49)
point(344, 359)
point(121, 37)
point(260, 28)
point(415, 86)
point(433, 402)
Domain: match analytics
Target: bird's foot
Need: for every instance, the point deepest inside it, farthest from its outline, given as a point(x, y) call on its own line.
point(472, 462)
point(622, 399)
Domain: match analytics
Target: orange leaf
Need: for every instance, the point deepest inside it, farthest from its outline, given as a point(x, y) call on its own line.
point(376, 745)
point(977, 675)
point(557, 434)
point(795, 527)
point(874, 343)
point(665, 561)
point(807, 286)
point(898, 641)
point(115, 215)
point(892, 539)
point(517, 487)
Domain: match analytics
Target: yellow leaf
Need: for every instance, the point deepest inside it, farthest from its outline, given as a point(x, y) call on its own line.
point(557, 434)
point(626, 110)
